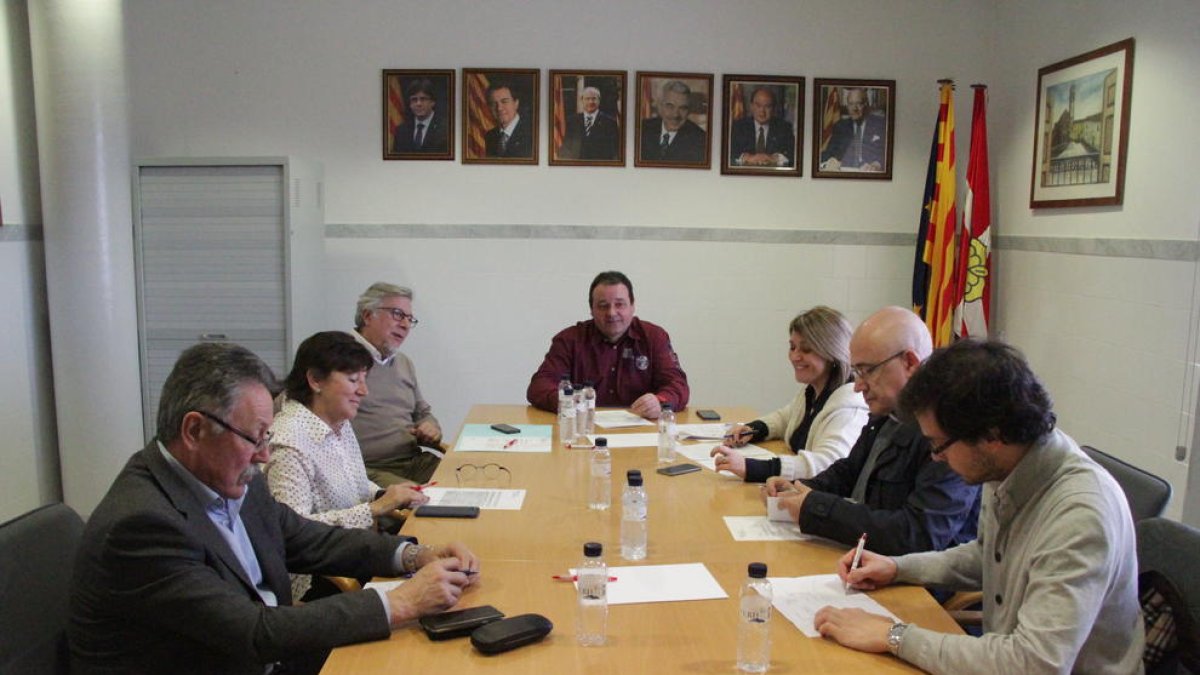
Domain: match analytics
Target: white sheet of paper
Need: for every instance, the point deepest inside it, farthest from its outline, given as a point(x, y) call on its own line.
point(799, 598)
point(618, 419)
point(486, 499)
point(503, 444)
point(628, 440)
point(777, 513)
point(758, 528)
point(661, 583)
point(699, 453)
point(384, 585)
point(708, 431)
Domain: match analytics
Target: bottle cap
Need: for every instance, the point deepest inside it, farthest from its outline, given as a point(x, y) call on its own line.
point(589, 383)
point(666, 407)
point(601, 442)
point(593, 549)
point(757, 570)
point(634, 477)
point(568, 390)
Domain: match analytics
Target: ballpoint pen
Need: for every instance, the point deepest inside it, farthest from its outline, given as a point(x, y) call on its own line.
point(572, 577)
point(509, 444)
point(858, 550)
point(421, 488)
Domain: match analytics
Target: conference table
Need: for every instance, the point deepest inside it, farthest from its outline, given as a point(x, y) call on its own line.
point(520, 551)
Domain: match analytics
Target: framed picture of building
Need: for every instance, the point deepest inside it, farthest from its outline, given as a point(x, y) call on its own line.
point(587, 117)
point(418, 114)
point(763, 133)
point(674, 113)
point(854, 124)
point(1081, 135)
point(500, 115)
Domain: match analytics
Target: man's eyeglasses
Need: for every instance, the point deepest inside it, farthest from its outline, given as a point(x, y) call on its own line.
point(937, 450)
point(258, 445)
point(399, 315)
point(865, 370)
point(492, 474)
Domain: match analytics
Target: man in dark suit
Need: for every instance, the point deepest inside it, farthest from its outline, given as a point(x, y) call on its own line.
point(424, 130)
point(762, 139)
point(859, 140)
point(183, 566)
point(511, 137)
point(671, 136)
point(591, 134)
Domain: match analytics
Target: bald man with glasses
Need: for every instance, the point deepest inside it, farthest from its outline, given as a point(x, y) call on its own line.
point(889, 486)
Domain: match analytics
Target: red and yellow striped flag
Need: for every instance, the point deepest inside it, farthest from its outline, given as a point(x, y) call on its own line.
point(396, 108)
point(481, 119)
point(937, 246)
point(560, 115)
point(832, 113)
point(737, 108)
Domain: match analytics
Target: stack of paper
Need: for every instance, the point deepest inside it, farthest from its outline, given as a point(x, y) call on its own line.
point(799, 599)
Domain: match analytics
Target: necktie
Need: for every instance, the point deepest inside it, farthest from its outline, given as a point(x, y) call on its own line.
point(761, 146)
point(419, 140)
point(666, 142)
point(856, 146)
point(503, 142)
point(587, 124)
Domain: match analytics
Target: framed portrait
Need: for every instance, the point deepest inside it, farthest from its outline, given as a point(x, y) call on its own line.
point(500, 115)
point(853, 126)
point(587, 117)
point(1082, 129)
point(673, 127)
point(418, 114)
point(764, 118)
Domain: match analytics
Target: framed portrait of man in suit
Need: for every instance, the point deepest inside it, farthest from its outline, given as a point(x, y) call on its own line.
point(853, 128)
point(674, 112)
point(763, 131)
point(587, 117)
point(418, 114)
point(500, 115)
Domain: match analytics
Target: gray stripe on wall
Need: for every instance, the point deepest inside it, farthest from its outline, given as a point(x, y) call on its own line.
point(21, 233)
point(1154, 249)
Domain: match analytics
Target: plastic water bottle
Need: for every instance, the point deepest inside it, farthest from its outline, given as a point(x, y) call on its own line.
point(589, 398)
point(633, 517)
point(581, 414)
point(666, 435)
point(564, 381)
point(591, 627)
point(754, 626)
point(600, 489)
point(566, 415)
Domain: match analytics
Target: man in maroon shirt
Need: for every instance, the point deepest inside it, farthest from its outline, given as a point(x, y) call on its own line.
point(630, 362)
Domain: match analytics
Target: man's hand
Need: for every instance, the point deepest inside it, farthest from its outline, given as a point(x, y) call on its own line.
point(457, 551)
point(776, 486)
point(793, 501)
point(648, 406)
point(435, 588)
point(873, 571)
point(728, 459)
point(854, 628)
point(397, 497)
point(427, 433)
point(738, 435)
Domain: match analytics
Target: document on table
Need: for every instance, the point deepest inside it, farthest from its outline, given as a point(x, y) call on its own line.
point(661, 583)
point(699, 453)
point(759, 528)
point(709, 431)
point(627, 440)
point(484, 498)
point(799, 598)
point(483, 438)
point(619, 419)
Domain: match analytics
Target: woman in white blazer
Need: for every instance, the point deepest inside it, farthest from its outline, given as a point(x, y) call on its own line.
point(822, 423)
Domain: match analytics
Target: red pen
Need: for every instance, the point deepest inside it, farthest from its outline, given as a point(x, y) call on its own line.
point(510, 444)
point(572, 577)
point(421, 488)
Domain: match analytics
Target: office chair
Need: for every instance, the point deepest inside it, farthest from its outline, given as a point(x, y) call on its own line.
point(37, 554)
point(1146, 493)
point(1169, 589)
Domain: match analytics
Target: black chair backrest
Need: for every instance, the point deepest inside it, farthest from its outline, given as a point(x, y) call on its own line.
point(1172, 550)
point(37, 552)
point(1146, 493)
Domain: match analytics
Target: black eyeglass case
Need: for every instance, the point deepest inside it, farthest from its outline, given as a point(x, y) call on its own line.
point(506, 634)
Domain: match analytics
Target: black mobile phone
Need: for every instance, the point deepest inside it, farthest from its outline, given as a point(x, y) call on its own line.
point(678, 469)
point(459, 623)
point(710, 415)
point(506, 428)
point(438, 511)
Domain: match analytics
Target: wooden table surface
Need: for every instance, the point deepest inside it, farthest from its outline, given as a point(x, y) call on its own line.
point(520, 550)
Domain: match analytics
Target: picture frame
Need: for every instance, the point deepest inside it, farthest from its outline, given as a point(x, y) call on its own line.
point(1081, 129)
point(492, 99)
point(418, 114)
point(854, 125)
point(587, 117)
point(679, 100)
point(763, 130)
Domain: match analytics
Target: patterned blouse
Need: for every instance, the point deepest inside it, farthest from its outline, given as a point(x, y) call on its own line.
point(319, 473)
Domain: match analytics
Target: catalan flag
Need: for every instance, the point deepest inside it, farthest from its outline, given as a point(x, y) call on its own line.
point(933, 269)
point(973, 309)
point(481, 115)
point(396, 108)
point(560, 116)
point(830, 117)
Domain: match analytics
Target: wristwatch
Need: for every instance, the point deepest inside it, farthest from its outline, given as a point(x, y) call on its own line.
point(895, 635)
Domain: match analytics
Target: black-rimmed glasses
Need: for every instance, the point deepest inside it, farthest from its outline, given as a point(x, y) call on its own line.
point(258, 445)
point(865, 370)
point(492, 474)
point(937, 450)
point(399, 315)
